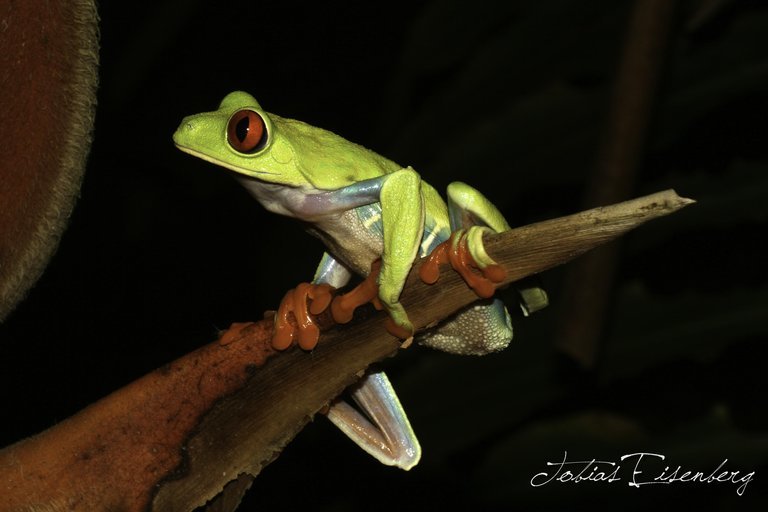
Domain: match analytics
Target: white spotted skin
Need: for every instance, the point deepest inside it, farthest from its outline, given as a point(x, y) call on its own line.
point(475, 331)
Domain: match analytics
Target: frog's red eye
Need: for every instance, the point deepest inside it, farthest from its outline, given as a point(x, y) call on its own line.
point(246, 132)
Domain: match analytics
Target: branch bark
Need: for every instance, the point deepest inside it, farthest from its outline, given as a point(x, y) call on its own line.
point(175, 438)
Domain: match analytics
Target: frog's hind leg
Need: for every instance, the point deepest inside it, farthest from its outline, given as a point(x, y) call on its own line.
point(381, 426)
point(484, 326)
point(383, 430)
point(467, 207)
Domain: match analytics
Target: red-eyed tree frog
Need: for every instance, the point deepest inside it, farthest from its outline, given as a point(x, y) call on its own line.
point(363, 207)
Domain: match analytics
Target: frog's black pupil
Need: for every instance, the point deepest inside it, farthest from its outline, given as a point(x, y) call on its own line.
point(241, 129)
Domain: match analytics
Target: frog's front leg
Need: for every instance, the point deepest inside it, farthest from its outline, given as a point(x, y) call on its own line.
point(402, 219)
point(402, 226)
point(402, 212)
point(330, 274)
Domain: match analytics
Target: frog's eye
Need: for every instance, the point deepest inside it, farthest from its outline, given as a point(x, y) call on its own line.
point(246, 131)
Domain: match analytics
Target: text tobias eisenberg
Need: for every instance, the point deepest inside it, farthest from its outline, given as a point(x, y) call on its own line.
point(639, 472)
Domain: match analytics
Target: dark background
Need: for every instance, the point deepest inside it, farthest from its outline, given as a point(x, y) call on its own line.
point(163, 249)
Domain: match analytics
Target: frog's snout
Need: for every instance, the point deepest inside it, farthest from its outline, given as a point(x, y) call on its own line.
point(186, 131)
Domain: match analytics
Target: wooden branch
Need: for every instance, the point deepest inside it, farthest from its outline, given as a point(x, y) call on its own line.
point(175, 438)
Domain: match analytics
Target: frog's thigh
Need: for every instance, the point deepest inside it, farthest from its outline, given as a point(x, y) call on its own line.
point(480, 328)
point(468, 207)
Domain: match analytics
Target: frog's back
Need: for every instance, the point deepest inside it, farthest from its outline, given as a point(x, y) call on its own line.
point(329, 161)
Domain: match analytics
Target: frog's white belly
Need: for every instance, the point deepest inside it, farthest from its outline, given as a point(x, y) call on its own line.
point(356, 237)
point(353, 237)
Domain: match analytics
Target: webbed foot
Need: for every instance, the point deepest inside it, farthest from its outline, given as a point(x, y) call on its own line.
point(295, 302)
point(309, 299)
point(466, 255)
point(343, 306)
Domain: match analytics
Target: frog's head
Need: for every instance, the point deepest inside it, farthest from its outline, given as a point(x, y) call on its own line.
point(242, 137)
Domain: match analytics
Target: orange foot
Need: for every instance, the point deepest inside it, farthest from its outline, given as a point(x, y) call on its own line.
point(305, 331)
point(343, 306)
point(482, 280)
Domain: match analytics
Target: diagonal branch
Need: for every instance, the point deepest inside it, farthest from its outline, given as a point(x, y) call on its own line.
point(175, 438)
point(532, 249)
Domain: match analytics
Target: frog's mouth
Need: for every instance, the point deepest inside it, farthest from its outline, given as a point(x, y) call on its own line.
point(221, 163)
